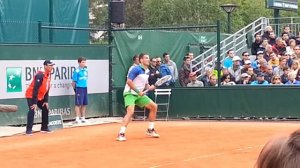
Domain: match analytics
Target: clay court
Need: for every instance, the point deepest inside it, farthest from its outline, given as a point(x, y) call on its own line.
point(203, 144)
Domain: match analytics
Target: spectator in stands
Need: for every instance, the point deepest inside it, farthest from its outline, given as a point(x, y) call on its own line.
point(226, 80)
point(184, 72)
point(297, 38)
point(244, 80)
point(136, 62)
point(164, 70)
point(226, 72)
point(172, 67)
point(295, 67)
point(276, 80)
point(285, 38)
point(262, 47)
point(236, 69)
point(279, 69)
point(255, 63)
point(291, 46)
point(194, 82)
point(267, 53)
point(251, 73)
point(288, 57)
point(190, 54)
point(269, 73)
point(263, 66)
point(287, 30)
point(298, 76)
point(284, 77)
point(297, 52)
point(266, 34)
point(212, 81)
point(247, 64)
point(281, 152)
point(245, 56)
point(228, 60)
point(272, 38)
point(260, 80)
point(206, 76)
point(292, 80)
point(154, 73)
point(256, 44)
point(274, 61)
point(280, 46)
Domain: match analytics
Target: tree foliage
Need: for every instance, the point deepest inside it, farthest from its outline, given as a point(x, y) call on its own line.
point(155, 13)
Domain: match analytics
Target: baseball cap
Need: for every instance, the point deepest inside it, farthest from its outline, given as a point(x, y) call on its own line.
point(259, 52)
point(247, 62)
point(244, 75)
point(236, 58)
point(48, 62)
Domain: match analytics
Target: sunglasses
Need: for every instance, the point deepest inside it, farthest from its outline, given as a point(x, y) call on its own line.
point(276, 78)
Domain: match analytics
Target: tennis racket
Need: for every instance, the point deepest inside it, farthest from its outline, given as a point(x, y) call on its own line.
point(161, 81)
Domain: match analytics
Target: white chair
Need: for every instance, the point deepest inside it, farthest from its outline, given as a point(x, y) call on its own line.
point(140, 110)
point(162, 99)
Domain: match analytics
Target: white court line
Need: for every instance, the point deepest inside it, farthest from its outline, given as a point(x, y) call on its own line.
point(207, 156)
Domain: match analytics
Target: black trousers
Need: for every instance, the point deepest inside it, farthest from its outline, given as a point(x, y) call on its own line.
point(30, 115)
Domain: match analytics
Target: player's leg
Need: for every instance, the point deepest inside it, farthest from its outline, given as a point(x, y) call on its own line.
point(129, 104)
point(149, 104)
point(78, 104)
point(84, 104)
point(30, 117)
point(45, 112)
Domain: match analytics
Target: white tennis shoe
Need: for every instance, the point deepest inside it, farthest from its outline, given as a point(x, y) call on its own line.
point(121, 137)
point(152, 133)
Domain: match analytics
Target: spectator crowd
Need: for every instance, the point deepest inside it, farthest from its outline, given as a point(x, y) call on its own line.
point(275, 61)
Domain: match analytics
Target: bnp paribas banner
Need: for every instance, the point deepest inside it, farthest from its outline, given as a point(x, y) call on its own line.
point(16, 76)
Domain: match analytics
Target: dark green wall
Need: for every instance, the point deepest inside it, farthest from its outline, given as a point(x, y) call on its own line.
point(247, 101)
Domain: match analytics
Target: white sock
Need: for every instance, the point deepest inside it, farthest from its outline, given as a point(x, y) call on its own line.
point(82, 118)
point(77, 118)
point(151, 125)
point(123, 129)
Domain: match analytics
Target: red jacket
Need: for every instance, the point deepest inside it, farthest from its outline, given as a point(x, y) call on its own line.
point(39, 88)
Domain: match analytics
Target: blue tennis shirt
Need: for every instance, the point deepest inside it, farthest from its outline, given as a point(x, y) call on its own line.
point(80, 76)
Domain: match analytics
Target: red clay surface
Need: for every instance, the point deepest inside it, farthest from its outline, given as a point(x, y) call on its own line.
point(201, 144)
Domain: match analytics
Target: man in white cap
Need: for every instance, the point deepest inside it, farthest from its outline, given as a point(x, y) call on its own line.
point(236, 69)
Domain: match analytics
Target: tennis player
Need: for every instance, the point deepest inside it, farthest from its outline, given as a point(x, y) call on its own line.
point(137, 82)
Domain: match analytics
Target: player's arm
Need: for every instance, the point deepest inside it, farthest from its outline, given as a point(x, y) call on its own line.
point(131, 76)
point(74, 79)
point(133, 87)
point(150, 87)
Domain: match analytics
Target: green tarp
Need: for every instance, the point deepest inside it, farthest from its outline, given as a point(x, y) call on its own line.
point(19, 21)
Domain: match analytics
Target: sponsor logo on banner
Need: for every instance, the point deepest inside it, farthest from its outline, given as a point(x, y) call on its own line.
point(14, 79)
point(17, 79)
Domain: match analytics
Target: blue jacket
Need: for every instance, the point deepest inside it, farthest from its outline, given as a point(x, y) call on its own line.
point(164, 70)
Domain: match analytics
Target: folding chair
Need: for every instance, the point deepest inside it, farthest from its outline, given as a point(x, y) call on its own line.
point(162, 99)
point(138, 110)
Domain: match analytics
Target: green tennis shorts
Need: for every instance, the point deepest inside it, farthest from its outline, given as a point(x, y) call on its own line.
point(131, 99)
